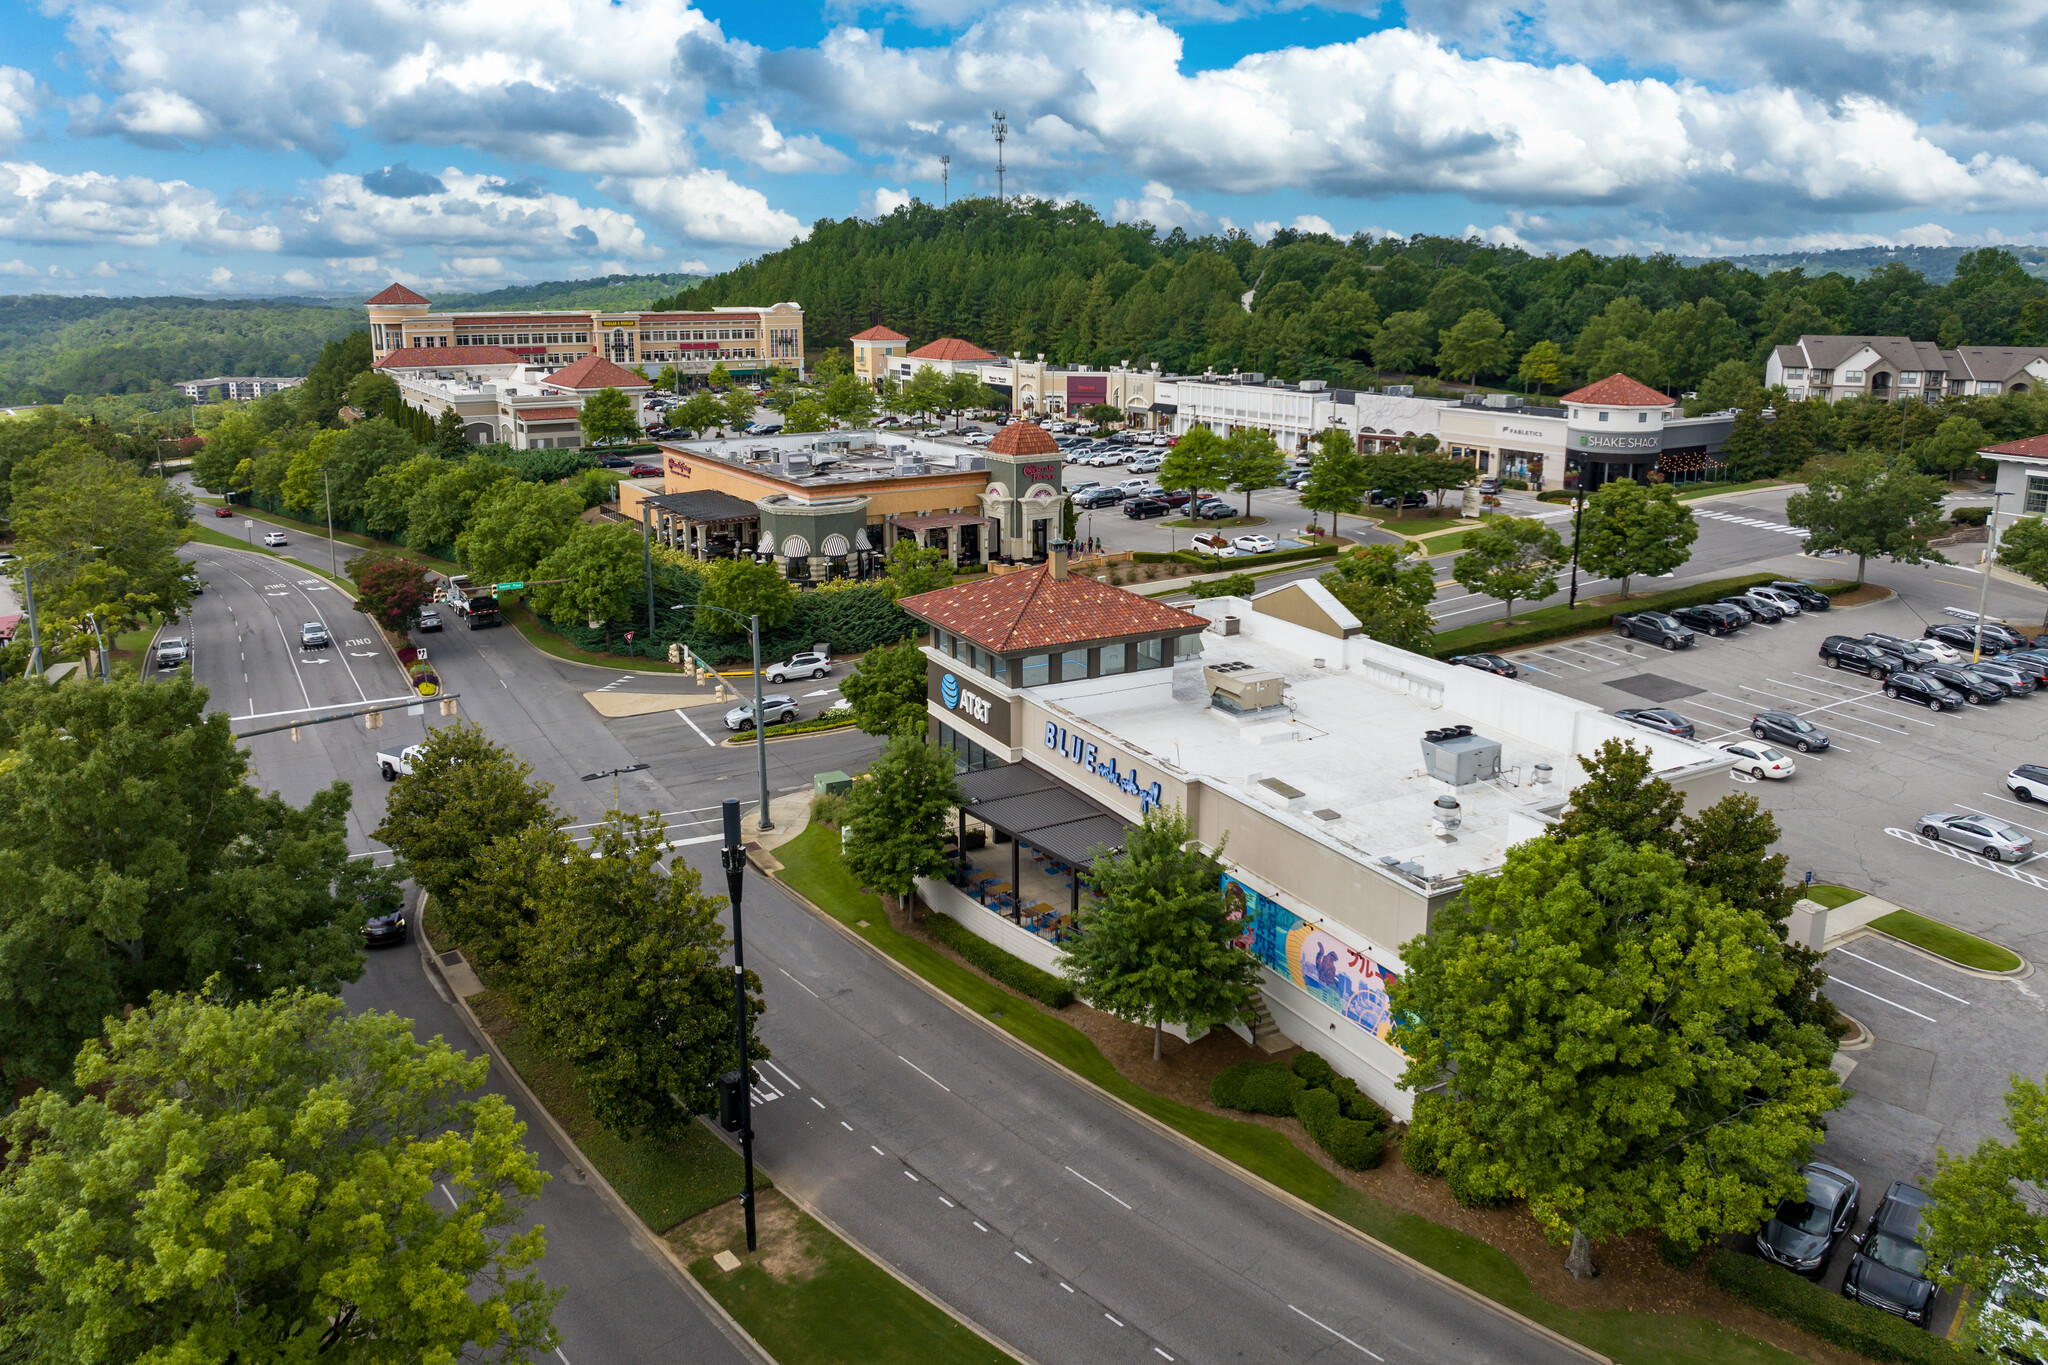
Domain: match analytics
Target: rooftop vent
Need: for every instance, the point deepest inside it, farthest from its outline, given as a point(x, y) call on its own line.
point(1457, 756)
point(1399, 390)
point(1313, 386)
point(1241, 690)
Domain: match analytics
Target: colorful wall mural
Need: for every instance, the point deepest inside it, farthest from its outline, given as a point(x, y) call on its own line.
point(1347, 980)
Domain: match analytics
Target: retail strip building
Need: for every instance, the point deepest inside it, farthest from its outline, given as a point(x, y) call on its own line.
point(1352, 787)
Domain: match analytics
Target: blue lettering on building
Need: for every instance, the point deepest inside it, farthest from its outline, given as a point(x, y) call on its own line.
point(1083, 751)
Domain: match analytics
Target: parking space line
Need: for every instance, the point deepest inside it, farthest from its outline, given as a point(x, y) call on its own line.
point(1837, 981)
point(1702, 706)
point(1901, 975)
point(1973, 859)
point(1566, 662)
point(2008, 801)
point(1993, 815)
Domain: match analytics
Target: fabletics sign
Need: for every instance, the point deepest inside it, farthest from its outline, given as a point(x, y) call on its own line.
point(964, 699)
point(1080, 749)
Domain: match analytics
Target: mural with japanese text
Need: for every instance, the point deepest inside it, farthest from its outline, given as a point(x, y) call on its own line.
point(1347, 980)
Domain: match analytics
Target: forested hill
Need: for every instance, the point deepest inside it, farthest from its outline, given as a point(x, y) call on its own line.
point(604, 291)
point(1035, 277)
point(1937, 263)
point(51, 347)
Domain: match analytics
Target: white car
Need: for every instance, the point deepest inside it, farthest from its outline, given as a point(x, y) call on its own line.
point(273, 538)
point(1256, 545)
point(1131, 487)
point(978, 438)
point(775, 707)
point(1146, 464)
point(807, 665)
point(1760, 760)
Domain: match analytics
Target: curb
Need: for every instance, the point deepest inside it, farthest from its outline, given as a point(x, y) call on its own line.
point(1220, 1162)
point(2019, 973)
point(724, 1321)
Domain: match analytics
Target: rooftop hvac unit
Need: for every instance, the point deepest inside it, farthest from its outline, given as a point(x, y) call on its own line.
point(1313, 386)
point(1399, 390)
point(1503, 400)
point(1457, 756)
point(797, 462)
point(1239, 689)
point(910, 464)
point(969, 462)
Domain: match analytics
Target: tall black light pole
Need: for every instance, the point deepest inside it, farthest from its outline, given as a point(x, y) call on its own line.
point(736, 1111)
point(1578, 512)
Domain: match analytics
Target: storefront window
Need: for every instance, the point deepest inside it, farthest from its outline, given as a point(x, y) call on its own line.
point(968, 757)
point(1112, 659)
point(1073, 665)
point(1149, 654)
point(2037, 494)
point(1037, 670)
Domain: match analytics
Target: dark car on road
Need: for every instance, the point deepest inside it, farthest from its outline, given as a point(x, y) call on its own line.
point(617, 462)
point(1840, 651)
point(387, 928)
point(1389, 498)
point(2008, 678)
point(1141, 508)
point(1975, 690)
point(1655, 627)
point(1806, 595)
point(1657, 718)
point(1802, 1233)
point(1889, 1270)
point(223, 511)
point(1785, 728)
point(1932, 693)
point(1997, 636)
point(1712, 618)
point(1488, 663)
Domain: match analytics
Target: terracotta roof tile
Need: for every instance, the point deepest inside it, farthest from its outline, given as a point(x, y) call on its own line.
point(546, 414)
point(878, 334)
point(2033, 447)
point(1033, 610)
point(951, 348)
point(445, 357)
point(595, 372)
point(1024, 437)
point(1618, 391)
point(397, 293)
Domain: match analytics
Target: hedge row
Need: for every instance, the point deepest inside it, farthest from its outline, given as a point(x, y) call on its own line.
point(1007, 968)
point(1829, 1316)
point(1344, 1123)
point(828, 721)
point(1550, 623)
point(1556, 495)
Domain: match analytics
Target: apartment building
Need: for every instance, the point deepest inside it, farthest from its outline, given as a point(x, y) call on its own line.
point(1835, 368)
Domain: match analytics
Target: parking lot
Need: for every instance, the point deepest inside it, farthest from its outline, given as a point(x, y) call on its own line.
point(1945, 1040)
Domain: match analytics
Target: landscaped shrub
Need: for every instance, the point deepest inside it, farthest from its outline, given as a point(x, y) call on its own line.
point(1969, 516)
point(1357, 1105)
point(1313, 1069)
point(1317, 1110)
point(1258, 1088)
point(1556, 495)
point(1341, 1120)
point(1353, 1145)
point(1830, 1317)
point(1007, 968)
point(1236, 585)
point(1519, 485)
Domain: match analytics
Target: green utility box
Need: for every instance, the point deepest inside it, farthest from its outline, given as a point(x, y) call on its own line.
point(830, 784)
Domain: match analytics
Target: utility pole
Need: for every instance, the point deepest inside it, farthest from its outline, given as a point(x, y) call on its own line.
point(945, 181)
point(1578, 514)
point(327, 494)
point(647, 558)
point(1984, 577)
point(736, 1107)
point(1001, 129)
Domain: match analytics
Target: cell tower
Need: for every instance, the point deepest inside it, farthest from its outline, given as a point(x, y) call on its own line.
point(1001, 130)
point(945, 180)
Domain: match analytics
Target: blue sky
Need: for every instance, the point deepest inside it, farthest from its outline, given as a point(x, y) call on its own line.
point(324, 146)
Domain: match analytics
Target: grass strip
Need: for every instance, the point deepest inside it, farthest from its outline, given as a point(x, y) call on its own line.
point(1944, 940)
point(286, 521)
point(521, 618)
point(1555, 623)
point(1833, 897)
point(812, 867)
point(837, 1308)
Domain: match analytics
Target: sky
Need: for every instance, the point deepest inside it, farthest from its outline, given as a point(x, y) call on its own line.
point(327, 146)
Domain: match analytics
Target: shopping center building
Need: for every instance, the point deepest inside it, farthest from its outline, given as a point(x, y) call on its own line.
point(501, 397)
point(1351, 787)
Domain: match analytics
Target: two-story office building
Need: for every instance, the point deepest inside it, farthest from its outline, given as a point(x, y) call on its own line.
point(502, 398)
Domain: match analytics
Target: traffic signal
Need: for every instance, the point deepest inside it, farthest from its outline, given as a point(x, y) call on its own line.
point(447, 706)
point(731, 1100)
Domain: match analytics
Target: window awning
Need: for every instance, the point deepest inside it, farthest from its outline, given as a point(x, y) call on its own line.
point(1033, 807)
point(1169, 409)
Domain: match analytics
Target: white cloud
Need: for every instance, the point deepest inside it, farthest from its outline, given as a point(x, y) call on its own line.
point(885, 201)
point(752, 135)
point(707, 206)
point(220, 277)
point(477, 267)
point(1157, 205)
point(1313, 222)
point(17, 266)
point(17, 102)
point(302, 279)
point(40, 205)
point(692, 266)
point(467, 216)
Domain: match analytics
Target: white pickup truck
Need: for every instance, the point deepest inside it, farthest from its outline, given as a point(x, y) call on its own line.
point(395, 766)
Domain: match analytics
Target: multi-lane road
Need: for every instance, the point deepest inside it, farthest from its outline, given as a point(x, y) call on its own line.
point(1033, 1205)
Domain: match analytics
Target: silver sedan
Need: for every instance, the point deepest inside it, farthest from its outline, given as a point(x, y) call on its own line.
point(1993, 838)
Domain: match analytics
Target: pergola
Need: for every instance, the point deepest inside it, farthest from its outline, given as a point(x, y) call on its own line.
point(1033, 807)
point(686, 521)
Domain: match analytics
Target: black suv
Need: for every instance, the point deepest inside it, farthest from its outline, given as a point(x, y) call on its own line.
point(1839, 651)
point(1806, 595)
point(1932, 693)
point(1976, 691)
point(1146, 507)
point(1786, 728)
point(1655, 627)
point(1996, 636)
point(1712, 618)
point(1889, 1269)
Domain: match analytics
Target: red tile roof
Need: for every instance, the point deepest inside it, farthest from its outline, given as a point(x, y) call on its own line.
point(1032, 610)
point(397, 293)
point(878, 334)
point(1023, 437)
point(951, 348)
point(595, 372)
point(448, 357)
point(546, 414)
point(1618, 391)
point(2033, 447)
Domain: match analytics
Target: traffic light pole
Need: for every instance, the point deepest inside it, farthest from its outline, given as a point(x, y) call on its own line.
point(739, 1115)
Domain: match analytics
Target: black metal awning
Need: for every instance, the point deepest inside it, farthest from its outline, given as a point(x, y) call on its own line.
point(706, 504)
point(1033, 807)
point(1166, 409)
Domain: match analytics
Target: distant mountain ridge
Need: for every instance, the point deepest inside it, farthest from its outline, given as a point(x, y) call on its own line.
point(1937, 263)
point(603, 291)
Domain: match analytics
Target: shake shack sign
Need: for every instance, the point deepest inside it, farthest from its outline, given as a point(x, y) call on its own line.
point(1602, 442)
point(962, 698)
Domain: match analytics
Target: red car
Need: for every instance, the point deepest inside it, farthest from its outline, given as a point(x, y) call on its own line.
point(644, 471)
point(223, 511)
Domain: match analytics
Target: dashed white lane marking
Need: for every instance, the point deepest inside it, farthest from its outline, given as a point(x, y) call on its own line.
point(912, 1175)
point(1114, 1318)
point(1022, 1257)
point(947, 1202)
point(451, 1198)
point(815, 1100)
point(876, 1150)
point(784, 1074)
point(1064, 1285)
point(847, 1126)
point(807, 990)
point(1339, 1335)
point(559, 1356)
point(1085, 1180)
point(979, 1224)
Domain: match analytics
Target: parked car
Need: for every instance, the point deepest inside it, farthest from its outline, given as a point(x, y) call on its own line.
point(1762, 608)
point(1975, 690)
point(2008, 678)
point(1099, 497)
point(1801, 1235)
point(644, 471)
point(2021, 1334)
point(223, 511)
point(1805, 594)
point(1778, 598)
point(1655, 627)
point(616, 462)
point(2031, 662)
point(1917, 652)
point(1985, 834)
point(1212, 543)
point(1786, 728)
point(1657, 718)
point(1997, 636)
point(1142, 507)
point(313, 635)
point(1256, 544)
point(429, 622)
point(1489, 663)
point(1839, 651)
point(1760, 760)
point(1082, 485)
point(1712, 618)
point(1214, 509)
point(809, 664)
point(173, 650)
point(274, 538)
point(1171, 498)
point(1740, 608)
point(2029, 782)
point(1489, 484)
point(1377, 498)
point(776, 707)
point(1147, 464)
point(1932, 693)
point(1889, 1270)
point(1294, 478)
point(1130, 487)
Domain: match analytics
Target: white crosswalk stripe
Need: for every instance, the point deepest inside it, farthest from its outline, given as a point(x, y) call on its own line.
point(1777, 526)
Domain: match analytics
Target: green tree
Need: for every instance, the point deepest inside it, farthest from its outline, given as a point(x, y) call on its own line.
point(1197, 461)
point(437, 514)
point(1623, 796)
point(136, 856)
point(326, 387)
point(1542, 365)
point(1986, 1223)
point(1390, 599)
point(1747, 452)
point(1442, 473)
point(374, 395)
point(886, 688)
point(831, 366)
point(1336, 477)
point(387, 493)
point(1730, 384)
point(739, 409)
point(1399, 475)
point(896, 815)
point(1629, 529)
point(235, 439)
point(1158, 947)
point(1511, 558)
point(965, 390)
point(594, 575)
point(1609, 1047)
point(719, 377)
point(465, 791)
point(2023, 548)
point(915, 568)
point(1251, 461)
point(451, 437)
point(849, 400)
point(515, 526)
point(1476, 344)
point(391, 588)
point(925, 394)
point(889, 394)
point(101, 540)
point(745, 589)
point(607, 416)
point(1403, 343)
point(698, 413)
point(805, 415)
point(1102, 414)
point(1953, 447)
point(632, 991)
point(1793, 436)
point(1865, 507)
point(261, 1181)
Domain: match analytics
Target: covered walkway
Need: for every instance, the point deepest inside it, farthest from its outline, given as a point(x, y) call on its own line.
point(1027, 808)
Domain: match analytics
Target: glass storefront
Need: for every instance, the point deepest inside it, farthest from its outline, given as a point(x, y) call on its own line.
point(968, 757)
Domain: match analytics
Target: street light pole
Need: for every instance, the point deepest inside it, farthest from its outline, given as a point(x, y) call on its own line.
point(327, 495)
point(1984, 578)
point(647, 558)
point(35, 636)
point(760, 729)
point(1578, 513)
point(738, 1081)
